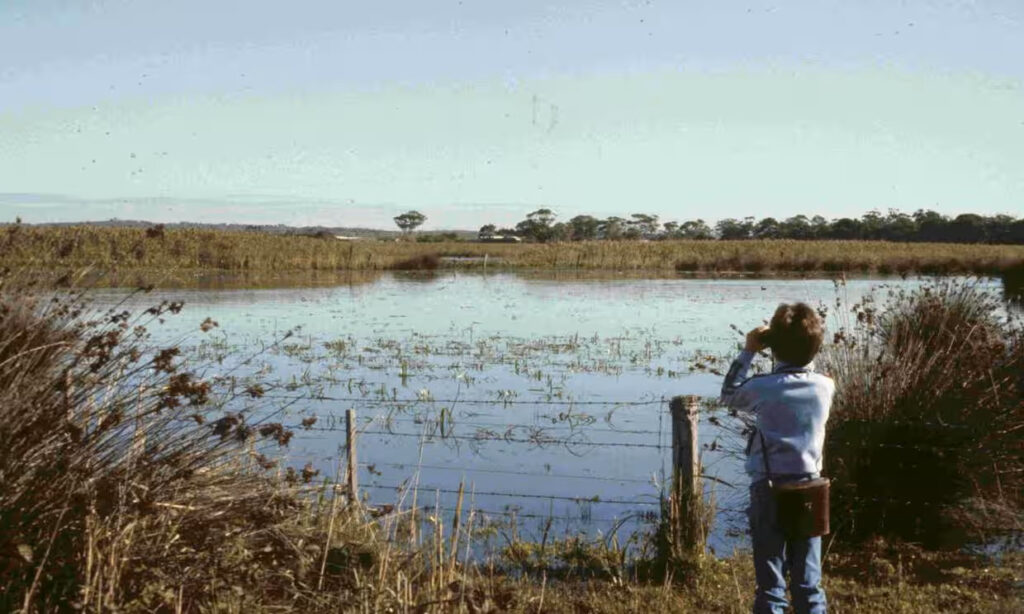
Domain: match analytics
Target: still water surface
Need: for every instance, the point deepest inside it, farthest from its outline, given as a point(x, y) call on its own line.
point(547, 397)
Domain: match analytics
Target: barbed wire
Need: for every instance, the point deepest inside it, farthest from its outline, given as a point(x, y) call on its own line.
point(415, 400)
point(456, 421)
point(707, 408)
point(496, 437)
point(509, 472)
point(646, 516)
point(734, 504)
point(511, 495)
point(541, 440)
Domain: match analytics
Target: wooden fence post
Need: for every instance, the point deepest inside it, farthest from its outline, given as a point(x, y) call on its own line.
point(350, 449)
point(686, 514)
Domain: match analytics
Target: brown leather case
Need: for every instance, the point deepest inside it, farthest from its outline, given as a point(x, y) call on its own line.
point(802, 508)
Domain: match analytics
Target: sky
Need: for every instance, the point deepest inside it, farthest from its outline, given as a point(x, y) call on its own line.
point(345, 113)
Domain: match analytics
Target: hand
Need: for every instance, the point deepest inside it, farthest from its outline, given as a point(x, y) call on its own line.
point(756, 339)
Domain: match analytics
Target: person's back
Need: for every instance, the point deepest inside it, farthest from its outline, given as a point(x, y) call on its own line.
point(790, 406)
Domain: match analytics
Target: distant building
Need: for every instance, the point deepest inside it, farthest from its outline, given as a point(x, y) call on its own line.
point(500, 239)
point(344, 238)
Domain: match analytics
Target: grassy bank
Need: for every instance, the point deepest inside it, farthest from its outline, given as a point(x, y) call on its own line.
point(186, 250)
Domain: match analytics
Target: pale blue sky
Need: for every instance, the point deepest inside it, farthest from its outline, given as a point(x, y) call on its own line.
point(348, 113)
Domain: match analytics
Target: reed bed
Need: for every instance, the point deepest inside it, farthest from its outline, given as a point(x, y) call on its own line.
point(187, 250)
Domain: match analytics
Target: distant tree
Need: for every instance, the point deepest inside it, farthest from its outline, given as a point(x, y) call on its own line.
point(697, 230)
point(999, 228)
point(819, 227)
point(410, 221)
point(537, 225)
point(487, 231)
point(583, 228)
point(844, 228)
point(797, 227)
point(967, 228)
point(631, 231)
point(767, 228)
point(931, 225)
point(733, 229)
point(644, 224)
point(922, 225)
point(871, 224)
point(898, 226)
point(560, 232)
point(612, 228)
point(1015, 232)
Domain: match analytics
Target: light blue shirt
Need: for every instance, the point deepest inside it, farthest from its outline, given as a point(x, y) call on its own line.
point(789, 407)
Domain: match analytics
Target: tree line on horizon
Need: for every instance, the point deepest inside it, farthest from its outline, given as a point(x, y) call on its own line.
point(921, 226)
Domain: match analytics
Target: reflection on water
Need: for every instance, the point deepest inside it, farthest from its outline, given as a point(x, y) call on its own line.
point(547, 395)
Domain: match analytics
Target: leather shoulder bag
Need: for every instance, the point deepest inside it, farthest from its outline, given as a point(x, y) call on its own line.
point(801, 508)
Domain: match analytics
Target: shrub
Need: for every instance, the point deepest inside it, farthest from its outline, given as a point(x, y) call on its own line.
point(928, 416)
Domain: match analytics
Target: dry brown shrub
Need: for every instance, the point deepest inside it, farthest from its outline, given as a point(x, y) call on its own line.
point(928, 416)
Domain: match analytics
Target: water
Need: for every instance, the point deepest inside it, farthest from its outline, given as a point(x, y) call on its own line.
point(547, 397)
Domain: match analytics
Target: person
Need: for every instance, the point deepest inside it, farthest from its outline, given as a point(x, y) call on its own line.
point(789, 407)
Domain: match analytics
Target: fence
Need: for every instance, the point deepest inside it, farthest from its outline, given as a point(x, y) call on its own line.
point(633, 497)
point(690, 476)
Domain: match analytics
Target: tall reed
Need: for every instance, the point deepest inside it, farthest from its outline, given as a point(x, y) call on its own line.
point(120, 483)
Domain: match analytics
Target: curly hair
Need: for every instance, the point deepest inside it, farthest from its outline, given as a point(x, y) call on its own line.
point(796, 333)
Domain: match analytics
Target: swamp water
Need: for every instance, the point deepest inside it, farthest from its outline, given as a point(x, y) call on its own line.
point(546, 396)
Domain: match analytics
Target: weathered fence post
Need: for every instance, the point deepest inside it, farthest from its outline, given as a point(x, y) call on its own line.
point(352, 477)
point(686, 512)
point(685, 454)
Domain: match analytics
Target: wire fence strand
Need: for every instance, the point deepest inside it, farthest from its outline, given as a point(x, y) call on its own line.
point(499, 401)
point(511, 495)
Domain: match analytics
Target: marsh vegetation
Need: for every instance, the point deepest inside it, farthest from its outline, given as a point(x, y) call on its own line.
point(500, 470)
point(170, 252)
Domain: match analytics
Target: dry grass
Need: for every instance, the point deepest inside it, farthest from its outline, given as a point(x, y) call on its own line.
point(117, 482)
point(187, 250)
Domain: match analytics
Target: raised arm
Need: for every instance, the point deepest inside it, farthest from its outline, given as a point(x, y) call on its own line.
point(732, 395)
point(734, 379)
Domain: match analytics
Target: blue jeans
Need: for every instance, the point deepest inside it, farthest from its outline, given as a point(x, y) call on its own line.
point(775, 556)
